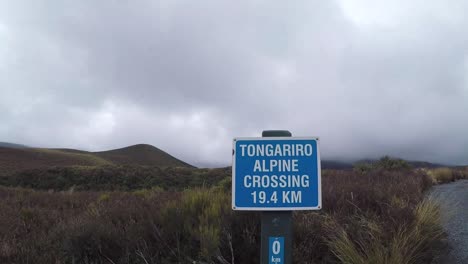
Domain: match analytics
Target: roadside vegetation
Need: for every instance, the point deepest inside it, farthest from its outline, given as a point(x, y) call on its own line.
point(114, 178)
point(374, 215)
point(445, 175)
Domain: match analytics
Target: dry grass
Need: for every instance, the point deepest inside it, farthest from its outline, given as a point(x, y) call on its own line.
point(445, 175)
point(114, 178)
point(441, 175)
point(409, 244)
point(377, 217)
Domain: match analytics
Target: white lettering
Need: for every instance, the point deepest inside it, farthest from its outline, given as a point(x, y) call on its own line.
point(300, 150)
point(260, 150)
point(265, 181)
point(308, 150)
point(256, 181)
point(296, 197)
point(264, 168)
point(257, 166)
point(296, 181)
point(251, 150)
point(278, 150)
point(276, 247)
point(295, 165)
point(276, 165)
point(273, 164)
point(287, 150)
point(286, 197)
point(247, 179)
point(269, 150)
point(283, 182)
point(275, 181)
point(305, 181)
point(243, 149)
point(286, 165)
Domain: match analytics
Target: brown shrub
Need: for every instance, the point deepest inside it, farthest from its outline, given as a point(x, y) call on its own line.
point(156, 226)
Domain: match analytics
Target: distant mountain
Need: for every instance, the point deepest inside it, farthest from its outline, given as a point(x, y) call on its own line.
point(335, 165)
point(141, 154)
point(11, 145)
point(17, 159)
point(414, 164)
point(424, 164)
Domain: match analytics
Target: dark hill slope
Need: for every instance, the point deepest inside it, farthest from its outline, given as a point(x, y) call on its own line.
point(116, 178)
point(15, 159)
point(11, 145)
point(335, 165)
point(141, 154)
point(414, 164)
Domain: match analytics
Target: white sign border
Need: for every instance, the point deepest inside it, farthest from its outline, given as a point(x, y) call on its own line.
point(233, 178)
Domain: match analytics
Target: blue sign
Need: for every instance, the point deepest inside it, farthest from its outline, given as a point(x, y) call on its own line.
point(276, 173)
point(276, 250)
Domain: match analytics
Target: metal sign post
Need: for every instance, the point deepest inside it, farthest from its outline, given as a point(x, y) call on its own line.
point(276, 224)
point(276, 174)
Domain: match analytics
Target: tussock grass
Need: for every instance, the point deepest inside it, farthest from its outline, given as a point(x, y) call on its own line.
point(461, 173)
point(375, 217)
point(445, 175)
point(441, 175)
point(409, 244)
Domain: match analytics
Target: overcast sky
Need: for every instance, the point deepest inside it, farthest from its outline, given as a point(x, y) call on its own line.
point(368, 77)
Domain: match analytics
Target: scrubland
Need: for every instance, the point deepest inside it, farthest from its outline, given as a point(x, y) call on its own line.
point(445, 175)
point(377, 214)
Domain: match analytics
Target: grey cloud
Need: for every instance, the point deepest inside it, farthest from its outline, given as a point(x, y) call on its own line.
point(188, 76)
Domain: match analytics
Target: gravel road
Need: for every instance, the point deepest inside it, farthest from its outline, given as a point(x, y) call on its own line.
point(454, 202)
